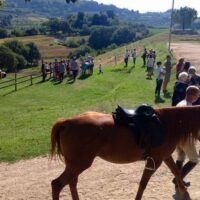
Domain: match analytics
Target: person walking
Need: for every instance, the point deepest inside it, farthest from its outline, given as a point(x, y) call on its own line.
point(188, 147)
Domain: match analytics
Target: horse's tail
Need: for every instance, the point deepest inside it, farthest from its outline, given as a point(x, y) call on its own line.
point(55, 138)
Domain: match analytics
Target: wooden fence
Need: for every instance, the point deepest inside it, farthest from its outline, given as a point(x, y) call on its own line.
point(16, 81)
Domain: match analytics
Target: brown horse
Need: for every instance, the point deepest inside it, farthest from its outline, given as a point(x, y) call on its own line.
point(80, 139)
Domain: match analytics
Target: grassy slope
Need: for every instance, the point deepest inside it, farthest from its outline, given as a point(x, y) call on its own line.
point(47, 45)
point(27, 115)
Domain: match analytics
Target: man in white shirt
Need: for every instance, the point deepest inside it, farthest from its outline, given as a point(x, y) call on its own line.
point(188, 148)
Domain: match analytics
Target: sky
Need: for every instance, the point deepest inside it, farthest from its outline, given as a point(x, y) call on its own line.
point(152, 5)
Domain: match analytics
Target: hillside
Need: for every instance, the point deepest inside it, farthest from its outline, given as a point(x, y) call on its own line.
point(29, 113)
point(58, 8)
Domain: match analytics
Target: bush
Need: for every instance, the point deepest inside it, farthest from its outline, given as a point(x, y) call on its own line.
point(82, 50)
point(3, 33)
point(8, 59)
point(21, 61)
point(72, 43)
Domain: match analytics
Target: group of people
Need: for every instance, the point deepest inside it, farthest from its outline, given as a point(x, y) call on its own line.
point(163, 74)
point(60, 68)
point(128, 54)
point(70, 68)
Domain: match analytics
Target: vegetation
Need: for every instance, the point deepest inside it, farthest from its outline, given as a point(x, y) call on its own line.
point(185, 17)
point(22, 13)
point(15, 54)
point(29, 113)
point(49, 47)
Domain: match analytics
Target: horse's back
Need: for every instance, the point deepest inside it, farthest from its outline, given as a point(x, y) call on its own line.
point(96, 134)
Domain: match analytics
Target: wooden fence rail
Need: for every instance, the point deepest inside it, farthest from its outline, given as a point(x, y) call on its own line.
point(16, 81)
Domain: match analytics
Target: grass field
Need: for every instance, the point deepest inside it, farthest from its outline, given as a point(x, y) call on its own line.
point(28, 114)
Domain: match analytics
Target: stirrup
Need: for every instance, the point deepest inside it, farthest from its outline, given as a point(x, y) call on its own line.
point(154, 165)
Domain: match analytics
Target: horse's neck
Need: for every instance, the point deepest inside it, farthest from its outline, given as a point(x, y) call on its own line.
point(181, 122)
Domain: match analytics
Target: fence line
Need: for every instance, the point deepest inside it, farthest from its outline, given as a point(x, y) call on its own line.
point(16, 81)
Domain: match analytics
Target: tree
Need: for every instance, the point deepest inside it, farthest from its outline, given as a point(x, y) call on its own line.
point(185, 17)
point(17, 47)
point(101, 37)
point(3, 33)
point(79, 20)
point(8, 59)
point(34, 53)
point(123, 35)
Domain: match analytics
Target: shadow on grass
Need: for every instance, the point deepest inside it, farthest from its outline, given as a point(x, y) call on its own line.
point(124, 69)
point(84, 76)
point(10, 92)
point(158, 100)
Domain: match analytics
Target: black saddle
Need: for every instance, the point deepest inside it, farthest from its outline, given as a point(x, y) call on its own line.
point(148, 129)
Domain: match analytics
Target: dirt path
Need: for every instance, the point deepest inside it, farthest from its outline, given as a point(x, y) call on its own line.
point(189, 51)
point(26, 180)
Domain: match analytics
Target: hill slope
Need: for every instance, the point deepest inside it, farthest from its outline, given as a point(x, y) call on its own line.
point(58, 8)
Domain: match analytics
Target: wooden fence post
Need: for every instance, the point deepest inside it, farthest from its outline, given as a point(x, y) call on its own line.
point(15, 80)
point(31, 79)
point(115, 60)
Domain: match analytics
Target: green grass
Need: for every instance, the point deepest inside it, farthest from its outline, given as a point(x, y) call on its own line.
point(28, 114)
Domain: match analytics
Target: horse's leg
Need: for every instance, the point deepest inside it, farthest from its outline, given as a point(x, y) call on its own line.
point(59, 183)
point(147, 173)
point(172, 166)
point(70, 176)
point(73, 188)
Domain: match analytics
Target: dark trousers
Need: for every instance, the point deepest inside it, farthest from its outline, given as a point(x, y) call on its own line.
point(158, 86)
point(144, 61)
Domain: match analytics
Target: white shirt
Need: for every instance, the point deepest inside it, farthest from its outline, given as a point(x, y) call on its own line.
point(134, 54)
point(183, 103)
point(159, 73)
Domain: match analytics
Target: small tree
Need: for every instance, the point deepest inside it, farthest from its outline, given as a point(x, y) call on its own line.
point(185, 17)
point(3, 33)
point(34, 53)
point(8, 59)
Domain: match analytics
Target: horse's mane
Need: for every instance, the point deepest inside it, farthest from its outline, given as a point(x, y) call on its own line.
point(181, 122)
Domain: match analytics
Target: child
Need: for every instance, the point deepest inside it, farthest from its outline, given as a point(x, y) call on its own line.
point(159, 78)
point(100, 69)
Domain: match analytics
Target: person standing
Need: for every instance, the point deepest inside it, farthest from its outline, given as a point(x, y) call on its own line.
point(188, 147)
point(160, 73)
point(74, 68)
point(150, 64)
point(179, 67)
point(44, 72)
point(134, 55)
point(144, 56)
point(180, 87)
point(126, 56)
point(168, 67)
